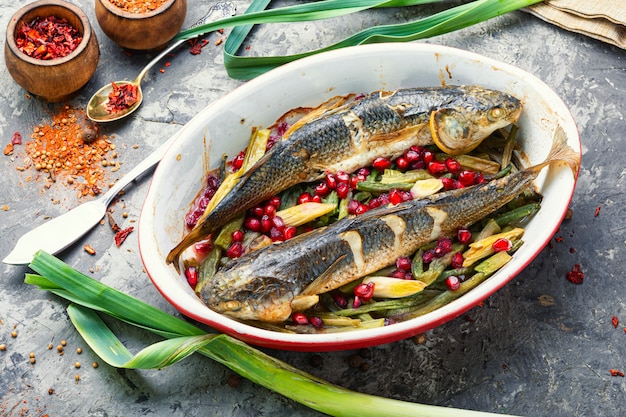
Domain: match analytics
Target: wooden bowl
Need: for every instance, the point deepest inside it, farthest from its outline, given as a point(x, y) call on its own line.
point(141, 31)
point(57, 79)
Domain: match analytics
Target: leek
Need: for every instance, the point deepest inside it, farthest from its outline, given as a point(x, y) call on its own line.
point(89, 296)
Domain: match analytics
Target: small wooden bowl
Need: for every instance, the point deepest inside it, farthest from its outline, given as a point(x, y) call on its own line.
point(57, 79)
point(141, 31)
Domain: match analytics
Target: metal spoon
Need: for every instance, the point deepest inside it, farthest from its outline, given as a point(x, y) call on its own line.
point(97, 106)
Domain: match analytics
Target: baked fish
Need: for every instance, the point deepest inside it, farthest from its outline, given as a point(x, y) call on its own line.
point(456, 118)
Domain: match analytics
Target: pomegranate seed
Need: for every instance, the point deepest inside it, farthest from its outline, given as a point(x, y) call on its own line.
point(353, 205)
point(364, 291)
point(358, 302)
point(436, 167)
point(453, 283)
point(406, 195)
point(381, 163)
point(354, 180)
point(363, 173)
point(191, 274)
point(253, 224)
point(428, 256)
point(402, 163)
point(266, 223)
point(480, 178)
point(331, 180)
point(404, 263)
point(237, 236)
point(412, 156)
point(340, 300)
point(449, 183)
point(275, 201)
point(398, 273)
point(464, 236)
point(362, 208)
point(282, 128)
point(342, 176)
point(269, 211)
point(316, 322)
point(445, 244)
point(418, 164)
point(203, 247)
point(316, 199)
point(467, 178)
point(235, 250)
point(278, 223)
point(276, 235)
point(428, 157)
point(457, 260)
point(238, 161)
point(502, 245)
point(453, 165)
point(395, 197)
point(343, 189)
point(289, 232)
point(304, 198)
point(322, 189)
point(300, 318)
point(258, 211)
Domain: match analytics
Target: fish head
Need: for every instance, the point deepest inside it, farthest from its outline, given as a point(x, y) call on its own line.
point(461, 125)
point(248, 297)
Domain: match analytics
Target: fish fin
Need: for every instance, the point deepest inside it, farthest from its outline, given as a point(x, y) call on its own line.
point(561, 152)
point(320, 283)
point(325, 109)
point(398, 135)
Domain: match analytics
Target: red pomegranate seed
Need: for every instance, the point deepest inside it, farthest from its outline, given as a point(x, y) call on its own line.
point(364, 291)
point(289, 232)
point(316, 199)
point(502, 245)
point(354, 180)
point(353, 205)
point(404, 263)
point(266, 223)
point(457, 260)
point(464, 236)
point(342, 176)
point(276, 235)
point(428, 256)
point(316, 322)
point(278, 223)
point(363, 173)
point(412, 156)
point(258, 211)
point(436, 167)
point(362, 208)
point(428, 157)
point(381, 163)
point(395, 197)
point(253, 224)
point(275, 201)
point(340, 300)
point(235, 250)
point(238, 161)
point(237, 236)
point(331, 180)
point(269, 211)
point(304, 198)
point(300, 318)
point(467, 178)
point(453, 283)
point(453, 165)
point(480, 178)
point(402, 163)
point(203, 247)
point(191, 274)
point(398, 273)
point(322, 189)
point(343, 189)
point(449, 183)
point(358, 302)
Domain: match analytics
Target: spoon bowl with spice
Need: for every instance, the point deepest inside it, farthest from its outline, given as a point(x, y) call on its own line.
point(119, 99)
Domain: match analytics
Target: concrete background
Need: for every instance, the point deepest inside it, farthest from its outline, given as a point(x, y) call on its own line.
point(541, 346)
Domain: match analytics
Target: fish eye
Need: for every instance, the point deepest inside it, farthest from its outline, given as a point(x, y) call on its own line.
point(496, 114)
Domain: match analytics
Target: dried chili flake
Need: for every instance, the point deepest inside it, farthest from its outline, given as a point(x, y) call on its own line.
point(615, 321)
point(16, 139)
point(121, 97)
point(597, 213)
point(616, 372)
point(137, 6)
point(121, 236)
point(576, 276)
point(47, 38)
point(197, 45)
point(8, 150)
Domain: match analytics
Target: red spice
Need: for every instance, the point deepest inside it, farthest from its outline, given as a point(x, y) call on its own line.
point(137, 6)
point(615, 321)
point(576, 276)
point(197, 45)
point(615, 372)
point(47, 38)
point(16, 139)
point(597, 213)
point(121, 97)
point(8, 150)
point(121, 236)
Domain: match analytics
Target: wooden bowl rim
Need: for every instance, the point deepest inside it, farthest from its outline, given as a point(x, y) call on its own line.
point(136, 16)
point(32, 7)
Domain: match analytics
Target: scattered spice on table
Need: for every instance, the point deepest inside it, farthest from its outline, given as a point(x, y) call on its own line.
point(70, 149)
point(615, 321)
point(576, 275)
point(597, 213)
point(47, 38)
point(137, 6)
point(616, 372)
point(121, 97)
point(89, 249)
point(121, 235)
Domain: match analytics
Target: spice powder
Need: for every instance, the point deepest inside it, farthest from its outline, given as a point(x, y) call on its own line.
point(69, 149)
point(137, 6)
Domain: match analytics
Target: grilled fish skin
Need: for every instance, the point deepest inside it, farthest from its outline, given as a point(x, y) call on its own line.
point(345, 139)
point(262, 284)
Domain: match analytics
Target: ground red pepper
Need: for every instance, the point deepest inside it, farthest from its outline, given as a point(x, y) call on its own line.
point(121, 236)
point(121, 97)
point(137, 6)
point(597, 213)
point(615, 372)
point(615, 321)
point(47, 38)
point(576, 276)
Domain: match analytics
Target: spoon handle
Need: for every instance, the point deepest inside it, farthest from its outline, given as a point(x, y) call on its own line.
point(216, 11)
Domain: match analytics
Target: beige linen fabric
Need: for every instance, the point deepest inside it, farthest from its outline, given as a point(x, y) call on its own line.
point(600, 19)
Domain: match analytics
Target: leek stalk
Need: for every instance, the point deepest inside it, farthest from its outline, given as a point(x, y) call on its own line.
point(89, 296)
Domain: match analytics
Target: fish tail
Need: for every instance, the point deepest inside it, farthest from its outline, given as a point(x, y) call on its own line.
point(561, 152)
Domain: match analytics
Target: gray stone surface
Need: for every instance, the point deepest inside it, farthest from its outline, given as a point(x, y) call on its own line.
point(541, 346)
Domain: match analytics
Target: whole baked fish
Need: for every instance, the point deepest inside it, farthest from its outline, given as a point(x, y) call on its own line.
point(263, 284)
point(352, 136)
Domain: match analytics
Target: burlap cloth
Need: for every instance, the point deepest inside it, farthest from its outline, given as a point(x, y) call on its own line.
point(600, 19)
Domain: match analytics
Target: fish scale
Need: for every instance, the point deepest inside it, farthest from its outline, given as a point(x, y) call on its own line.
point(263, 284)
point(352, 136)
